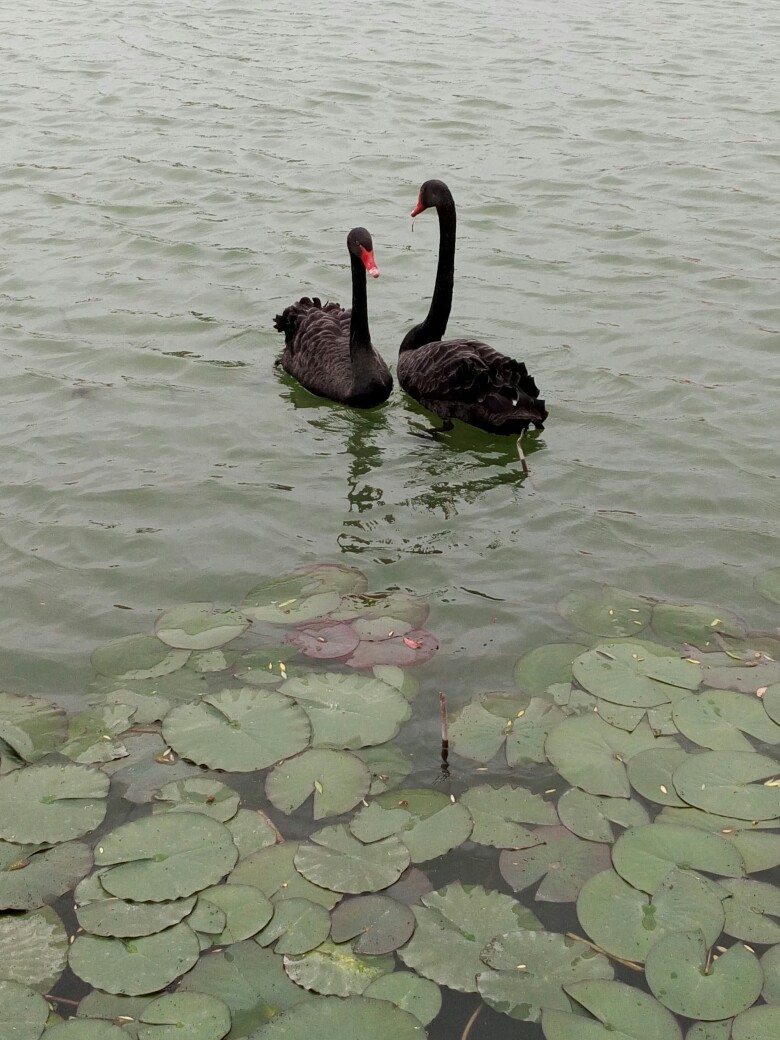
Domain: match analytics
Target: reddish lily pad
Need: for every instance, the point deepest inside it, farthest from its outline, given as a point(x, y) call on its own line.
point(407, 651)
point(325, 640)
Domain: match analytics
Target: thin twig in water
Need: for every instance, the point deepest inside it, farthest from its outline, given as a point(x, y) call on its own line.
point(599, 949)
point(60, 1000)
point(471, 1021)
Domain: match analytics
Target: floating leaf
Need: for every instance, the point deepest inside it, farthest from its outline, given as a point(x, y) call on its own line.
point(643, 856)
point(272, 870)
point(681, 976)
point(84, 1029)
point(605, 611)
point(240, 730)
point(770, 965)
point(477, 733)
point(630, 674)
point(32, 726)
point(338, 780)
point(91, 734)
point(267, 667)
point(338, 1017)
point(706, 821)
point(166, 856)
point(767, 584)
point(388, 766)
point(252, 831)
point(545, 665)
point(717, 719)
point(23, 1012)
point(102, 914)
point(722, 782)
point(307, 593)
point(530, 970)
point(710, 1030)
point(591, 817)
point(51, 803)
point(378, 923)
point(744, 678)
point(453, 925)
point(246, 910)
point(137, 657)
point(749, 911)
point(297, 926)
point(420, 997)
point(412, 885)
point(415, 648)
point(759, 1023)
point(217, 660)
point(31, 875)
point(33, 948)
point(325, 640)
point(140, 965)
point(527, 734)
point(394, 676)
point(427, 822)
point(625, 1013)
point(349, 711)
point(499, 812)
point(695, 624)
point(564, 861)
point(198, 794)
point(335, 859)
point(336, 970)
point(650, 773)
point(202, 1016)
point(626, 922)
point(148, 766)
point(385, 607)
point(199, 626)
point(771, 702)
point(758, 850)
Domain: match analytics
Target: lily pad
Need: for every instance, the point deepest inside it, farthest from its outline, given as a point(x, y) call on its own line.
point(771, 701)
point(336, 969)
point(750, 910)
point(768, 584)
point(33, 875)
point(239, 730)
point(23, 1012)
point(427, 822)
point(564, 861)
point(414, 648)
point(499, 813)
point(478, 733)
point(33, 948)
point(630, 674)
point(620, 1012)
point(770, 964)
point(606, 611)
point(591, 817)
point(137, 657)
point(420, 997)
point(643, 856)
point(51, 803)
point(198, 794)
point(530, 969)
point(199, 626)
point(149, 765)
point(84, 1029)
point(377, 923)
point(349, 711)
point(338, 780)
point(650, 773)
point(545, 665)
point(307, 593)
point(325, 640)
point(453, 926)
point(759, 1023)
point(140, 965)
point(388, 766)
point(272, 870)
point(386, 607)
point(267, 667)
point(717, 719)
point(681, 976)
point(252, 831)
point(696, 624)
point(297, 926)
point(527, 735)
point(33, 727)
point(102, 914)
point(92, 734)
point(710, 1030)
point(202, 1016)
point(336, 860)
point(246, 911)
point(338, 1017)
point(759, 851)
point(204, 662)
point(723, 782)
point(164, 857)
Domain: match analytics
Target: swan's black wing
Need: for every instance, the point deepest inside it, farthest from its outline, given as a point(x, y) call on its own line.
point(316, 346)
point(470, 380)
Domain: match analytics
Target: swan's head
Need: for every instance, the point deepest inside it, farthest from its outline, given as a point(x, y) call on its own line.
point(360, 246)
point(432, 193)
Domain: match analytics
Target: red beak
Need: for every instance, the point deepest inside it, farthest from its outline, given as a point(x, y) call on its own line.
point(367, 256)
point(419, 207)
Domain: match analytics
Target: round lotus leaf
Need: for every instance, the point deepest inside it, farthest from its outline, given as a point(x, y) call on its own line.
point(92, 734)
point(336, 860)
point(453, 925)
point(758, 850)
point(198, 794)
point(252, 831)
point(143, 964)
point(336, 970)
point(325, 640)
point(408, 651)
point(643, 856)
point(31, 876)
point(478, 734)
point(695, 624)
point(628, 674)
point(266, 667)
point(395, 676)
point(428, 822)
point(238, 730)
point(530, 968)
point(349, 711)
point(398, 605)
point(680, 976)
point(85, 1029)
point(770, 964)
point(564, 861)
point(137, 657)
point(591, 754)
point(591, 817)
point(626, 922)
point(199, 626)
point(51, 803)
point(204, 662)
point(412, 885)
point(246, 911)
point(33, 948)
point(499, 812)
point(377, 923)
point(166, 856)
point(335, 1018)
point(545, 665)
point(605, 611)
point(620, 1011)
point(307, 593)
point(705, 821)
point(102, 914)
point(250, 980)
point(97, 1004)
point(338, 780)
point(526, 738)
point(23, 1012)
point(297, 926)
point(202, 1016)
point(420, 997)
point(272, 870)
point(207, 919)
point(710, 1030)
point(750, 910)
point(33, 727)
point(771, 702)
point(768, 584)
point(650, 773)
point(723, 782)
point(388, 767)
point(717, 719)
point(759, 1023)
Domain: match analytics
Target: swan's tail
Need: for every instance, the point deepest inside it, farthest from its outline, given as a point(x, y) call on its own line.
point(288, 321)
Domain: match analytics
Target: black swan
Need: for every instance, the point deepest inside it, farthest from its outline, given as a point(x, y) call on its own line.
point(328, 349)
point(463, 378)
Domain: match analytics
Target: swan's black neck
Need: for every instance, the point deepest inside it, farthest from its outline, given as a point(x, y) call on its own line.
point(435, 324)
point(359, 336)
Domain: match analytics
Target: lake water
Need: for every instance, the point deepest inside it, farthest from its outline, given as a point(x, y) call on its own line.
point(173, 174)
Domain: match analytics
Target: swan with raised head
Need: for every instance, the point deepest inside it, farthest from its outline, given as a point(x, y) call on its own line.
point(328, 349)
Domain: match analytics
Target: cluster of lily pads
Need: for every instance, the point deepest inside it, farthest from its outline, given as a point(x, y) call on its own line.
point(634, 776)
